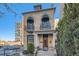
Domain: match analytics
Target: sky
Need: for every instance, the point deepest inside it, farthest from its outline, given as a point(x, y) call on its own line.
point(8, 20)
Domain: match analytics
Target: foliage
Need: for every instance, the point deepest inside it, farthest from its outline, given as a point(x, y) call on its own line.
point(68, 30)
point(30, 48)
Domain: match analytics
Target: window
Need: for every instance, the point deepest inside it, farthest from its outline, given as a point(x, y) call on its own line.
point(30, 38)
point(30, 24)
point(45, 24)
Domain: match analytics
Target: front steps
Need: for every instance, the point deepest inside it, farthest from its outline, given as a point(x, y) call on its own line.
point(47, 53)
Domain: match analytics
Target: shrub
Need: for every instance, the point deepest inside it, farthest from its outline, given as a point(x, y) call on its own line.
point(30, 48)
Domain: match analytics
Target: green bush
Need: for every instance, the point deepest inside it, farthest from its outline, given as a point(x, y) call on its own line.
point(30, 48)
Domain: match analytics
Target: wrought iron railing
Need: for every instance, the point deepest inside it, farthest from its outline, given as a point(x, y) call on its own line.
point(45, 26)
point(30, 28)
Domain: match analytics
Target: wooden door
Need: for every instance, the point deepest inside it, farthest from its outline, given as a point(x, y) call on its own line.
point(45, 41)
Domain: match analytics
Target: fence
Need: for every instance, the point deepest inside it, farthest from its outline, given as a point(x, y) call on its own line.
point(10, 51)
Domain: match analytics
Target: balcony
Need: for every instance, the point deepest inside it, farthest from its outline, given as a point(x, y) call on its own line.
point(30, 28)
point(30, 25)
point(45, 26)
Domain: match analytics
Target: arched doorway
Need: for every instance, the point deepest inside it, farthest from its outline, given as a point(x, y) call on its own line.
point(30, 24)
point(45, 24)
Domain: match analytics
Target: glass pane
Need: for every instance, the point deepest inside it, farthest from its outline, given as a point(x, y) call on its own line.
point(30, 38)
point(45, 25)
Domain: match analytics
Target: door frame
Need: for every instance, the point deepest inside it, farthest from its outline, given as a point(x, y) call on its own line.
point(45, 41)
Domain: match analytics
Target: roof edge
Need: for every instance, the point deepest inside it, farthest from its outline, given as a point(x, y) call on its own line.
point(23, 13)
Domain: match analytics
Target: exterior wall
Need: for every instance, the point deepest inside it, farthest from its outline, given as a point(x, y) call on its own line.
point(53, 41)
point(36, 41)
point(40, 41)
point(49, 40)
point(37, 16)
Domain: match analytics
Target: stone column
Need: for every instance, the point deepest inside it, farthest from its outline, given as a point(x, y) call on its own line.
point(53, 41)
point(36, 43)
point(40, 38)
point(50, 43)
point(25, 43)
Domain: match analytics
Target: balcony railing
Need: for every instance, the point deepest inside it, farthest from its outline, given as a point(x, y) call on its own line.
point(30, 28)
point(45, 26)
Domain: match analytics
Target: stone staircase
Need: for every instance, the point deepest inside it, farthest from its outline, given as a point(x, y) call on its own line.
point(47, 53)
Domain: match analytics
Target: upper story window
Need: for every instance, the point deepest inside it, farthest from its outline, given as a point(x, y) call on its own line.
point(30, 24)
point(45, 24)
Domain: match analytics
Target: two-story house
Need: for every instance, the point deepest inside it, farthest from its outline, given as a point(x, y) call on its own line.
point(38, 28)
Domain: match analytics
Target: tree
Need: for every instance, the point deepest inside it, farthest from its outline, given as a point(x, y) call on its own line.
point(68, 30)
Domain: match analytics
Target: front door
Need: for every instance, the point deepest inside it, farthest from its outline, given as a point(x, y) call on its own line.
point(45, 41)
